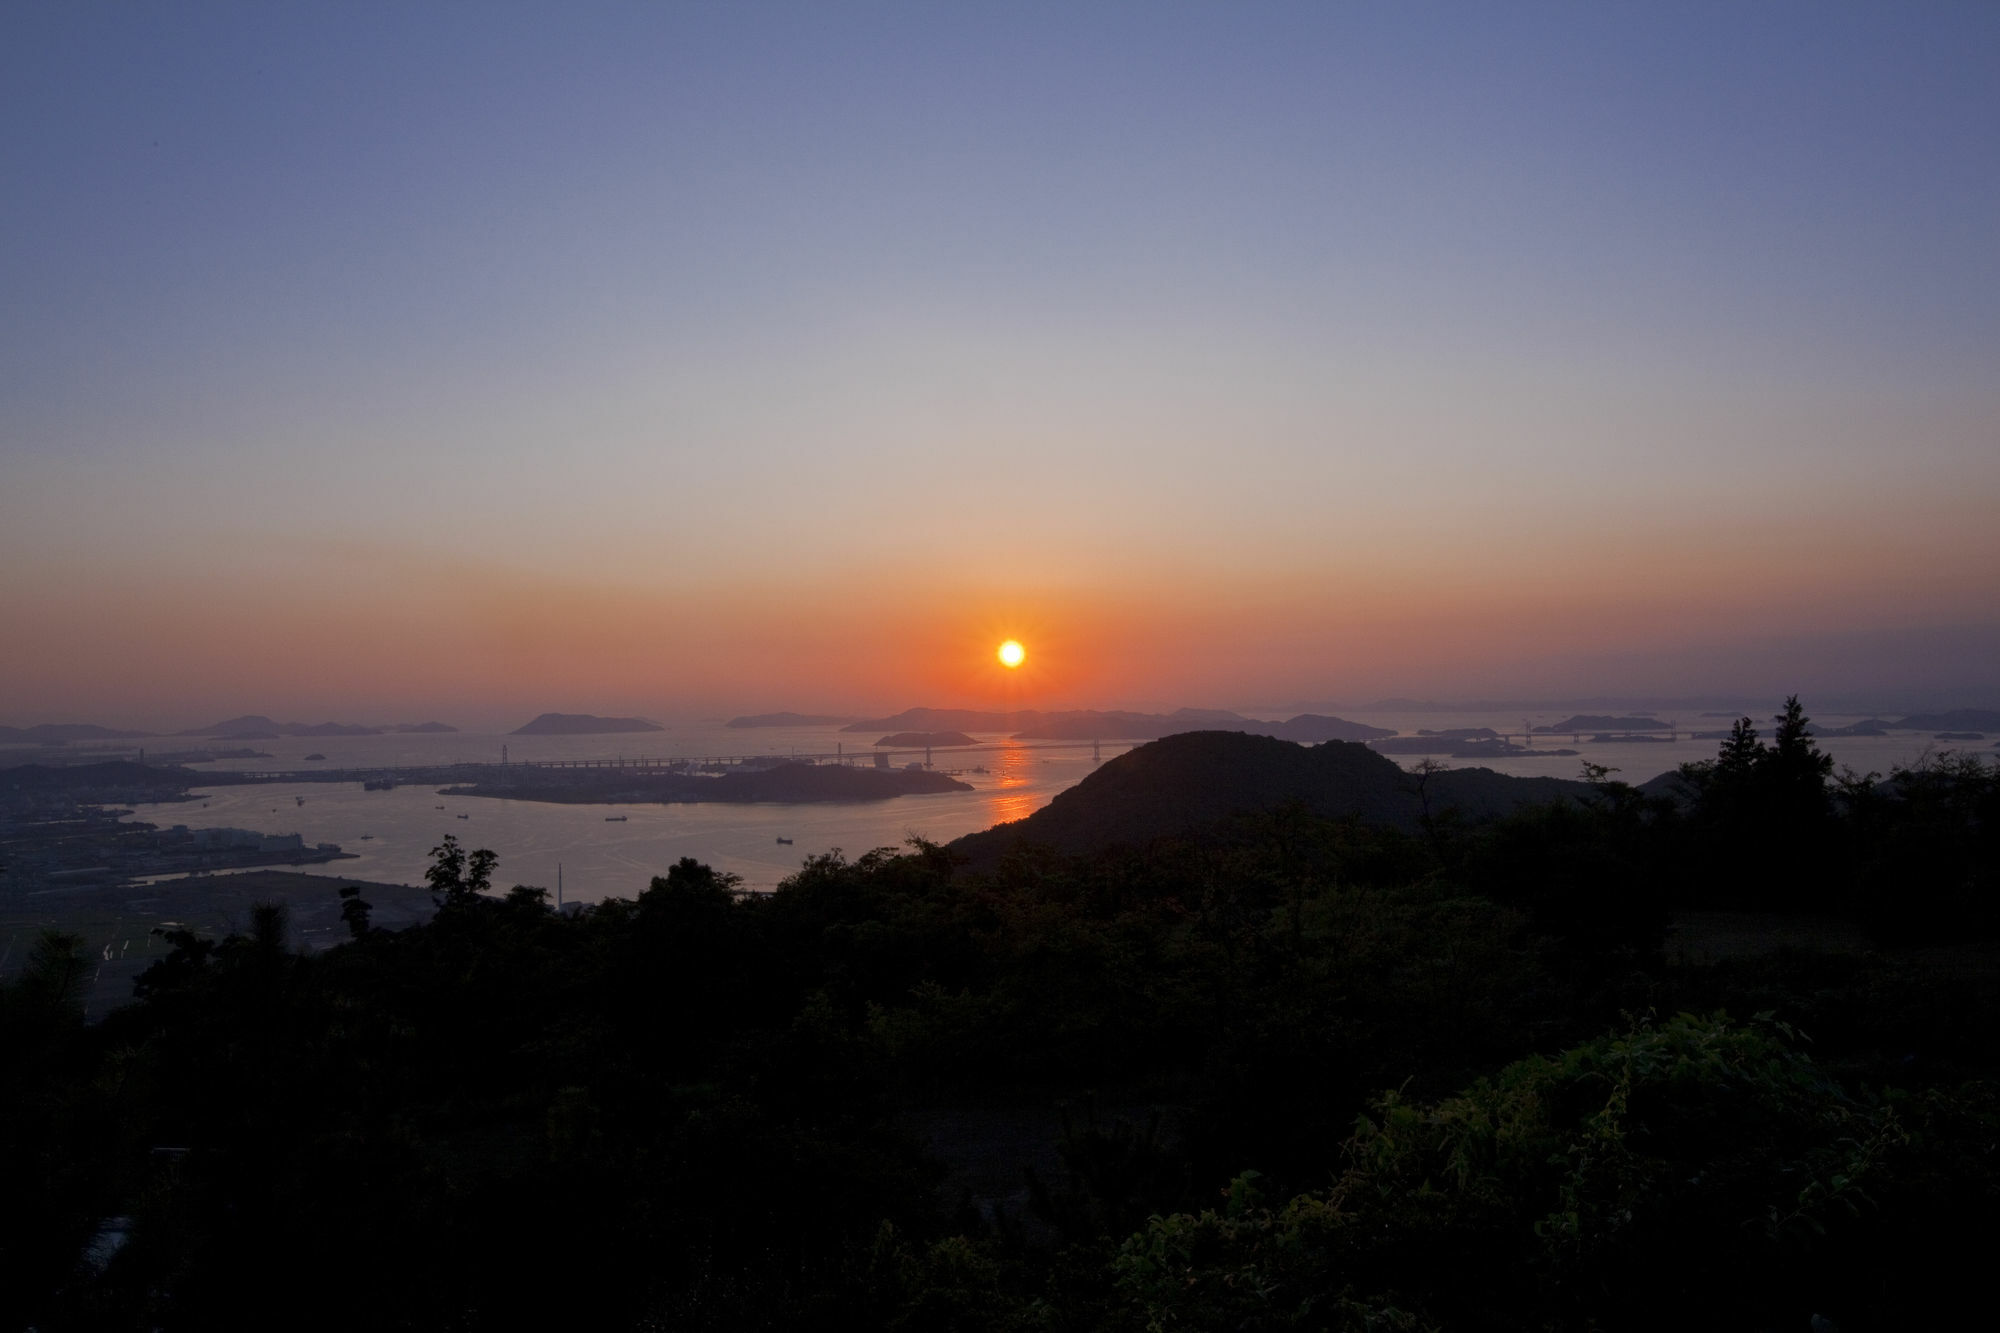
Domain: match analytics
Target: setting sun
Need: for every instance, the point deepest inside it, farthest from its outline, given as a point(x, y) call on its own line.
point(1012, 654)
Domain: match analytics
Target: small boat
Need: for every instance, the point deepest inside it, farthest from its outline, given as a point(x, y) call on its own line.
point(616, 819)
point(784, 842)
point(440, 807)
point(367, 837)
point(300, 799)
point(312, 757)
point(465, 816)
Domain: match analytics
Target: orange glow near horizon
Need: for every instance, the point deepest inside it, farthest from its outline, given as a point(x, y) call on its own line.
point(389, 634)
point(1012, 654)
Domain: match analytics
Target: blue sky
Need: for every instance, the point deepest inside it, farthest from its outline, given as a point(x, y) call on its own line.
point(1134, 314)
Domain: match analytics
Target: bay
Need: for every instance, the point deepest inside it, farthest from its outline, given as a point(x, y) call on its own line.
point(593, 853)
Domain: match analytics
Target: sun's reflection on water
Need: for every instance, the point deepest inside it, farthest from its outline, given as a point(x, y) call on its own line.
point(1012, 790)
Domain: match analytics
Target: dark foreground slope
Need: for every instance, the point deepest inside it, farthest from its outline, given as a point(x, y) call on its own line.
point(1182, 783)
point(1303, 1074)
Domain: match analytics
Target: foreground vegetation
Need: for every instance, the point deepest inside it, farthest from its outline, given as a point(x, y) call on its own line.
point(1315, 1074)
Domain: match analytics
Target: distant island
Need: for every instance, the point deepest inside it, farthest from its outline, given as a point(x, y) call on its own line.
point(794, 783)
point(907, 740)
point(787, 720)
point(170, 758)
point(1467, 747)
point(583, 724)
point(257, 727)
point(1958, 719)
point(1582, 722)
point(1868, 726)
point(1090, 724)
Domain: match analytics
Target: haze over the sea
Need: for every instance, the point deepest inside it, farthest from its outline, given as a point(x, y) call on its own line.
point(380, 362)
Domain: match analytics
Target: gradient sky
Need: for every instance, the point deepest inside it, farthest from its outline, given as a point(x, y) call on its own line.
point(468, 360)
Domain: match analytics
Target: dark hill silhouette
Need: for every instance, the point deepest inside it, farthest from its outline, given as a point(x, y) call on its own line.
point(583, 724)
point(1184, 783)
point(1318, 729)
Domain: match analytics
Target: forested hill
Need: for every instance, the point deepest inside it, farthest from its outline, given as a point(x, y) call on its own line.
point(1182, 783)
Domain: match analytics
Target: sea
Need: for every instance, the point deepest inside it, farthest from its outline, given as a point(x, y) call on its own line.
point(592, 852)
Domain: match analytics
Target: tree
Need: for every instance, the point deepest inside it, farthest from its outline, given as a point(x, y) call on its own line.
point(354, 910)
point(457, 878)
point(1794, 762)
point(1742, 753)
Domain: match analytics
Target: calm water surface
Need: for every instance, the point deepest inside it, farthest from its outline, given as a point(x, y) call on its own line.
point(393, 831)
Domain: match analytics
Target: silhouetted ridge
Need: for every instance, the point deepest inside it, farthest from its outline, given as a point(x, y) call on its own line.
point(1183, 783)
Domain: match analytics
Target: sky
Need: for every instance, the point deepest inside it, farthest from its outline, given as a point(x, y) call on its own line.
point(381, 362)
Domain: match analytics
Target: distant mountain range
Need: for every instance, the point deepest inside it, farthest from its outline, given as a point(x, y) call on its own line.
point(1188, 782)
point(583, 724)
